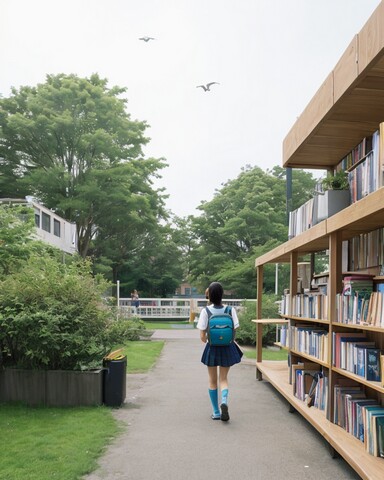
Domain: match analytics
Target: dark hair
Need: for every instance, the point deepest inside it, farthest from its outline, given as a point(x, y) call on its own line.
point(215, 293)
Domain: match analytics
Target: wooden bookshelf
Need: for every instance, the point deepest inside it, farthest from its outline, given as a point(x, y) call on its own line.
point(348, 107)
point(305, 319)
point(351, 449)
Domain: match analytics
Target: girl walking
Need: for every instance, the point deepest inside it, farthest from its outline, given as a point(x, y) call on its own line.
point(218, 359)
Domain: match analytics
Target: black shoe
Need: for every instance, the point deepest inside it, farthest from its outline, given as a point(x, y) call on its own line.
point(224, 412)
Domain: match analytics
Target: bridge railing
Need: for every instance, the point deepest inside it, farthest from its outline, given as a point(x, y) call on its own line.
point(169, 308)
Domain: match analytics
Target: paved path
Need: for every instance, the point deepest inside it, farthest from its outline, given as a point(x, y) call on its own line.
point(169, 434)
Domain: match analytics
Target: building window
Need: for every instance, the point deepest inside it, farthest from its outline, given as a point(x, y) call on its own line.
point(37, 218)
point(56, 227)
point(46, 222)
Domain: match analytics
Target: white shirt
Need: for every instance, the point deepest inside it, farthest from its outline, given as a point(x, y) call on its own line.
point(202, 324)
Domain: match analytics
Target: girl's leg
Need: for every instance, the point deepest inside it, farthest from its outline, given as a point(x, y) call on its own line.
point(223, 376)
point(212, 374)
point(213, 392)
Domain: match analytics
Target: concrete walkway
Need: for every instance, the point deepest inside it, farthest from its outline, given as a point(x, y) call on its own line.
point(169, 435)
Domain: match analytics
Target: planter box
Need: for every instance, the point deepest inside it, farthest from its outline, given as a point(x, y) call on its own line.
point(52, 388)
point(333, 201)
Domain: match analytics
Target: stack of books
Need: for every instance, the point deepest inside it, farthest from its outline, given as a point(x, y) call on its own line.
point(355, 353)
point(352, 305)
point(362, 417)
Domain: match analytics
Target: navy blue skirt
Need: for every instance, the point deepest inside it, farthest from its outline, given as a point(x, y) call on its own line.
point(221, 356)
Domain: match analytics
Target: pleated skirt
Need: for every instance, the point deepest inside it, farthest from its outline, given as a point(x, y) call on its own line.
point(221, 356)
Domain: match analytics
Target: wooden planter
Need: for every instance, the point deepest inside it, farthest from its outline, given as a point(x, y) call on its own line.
point(52, 388)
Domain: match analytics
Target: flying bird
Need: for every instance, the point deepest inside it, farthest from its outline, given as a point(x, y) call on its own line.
point(207, 87)
point(146, 39)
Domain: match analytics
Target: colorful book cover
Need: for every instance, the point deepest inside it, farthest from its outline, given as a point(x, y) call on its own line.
point(372, 364)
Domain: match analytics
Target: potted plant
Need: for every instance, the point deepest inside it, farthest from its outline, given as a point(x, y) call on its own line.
point(334, 197)
point(336, 181)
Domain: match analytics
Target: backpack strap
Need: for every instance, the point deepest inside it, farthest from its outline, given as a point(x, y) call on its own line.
point(227, 309)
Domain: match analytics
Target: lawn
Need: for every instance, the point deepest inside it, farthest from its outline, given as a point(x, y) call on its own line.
point(268, 354)
point(63, 443)
point(47, 443)
point(142, 355)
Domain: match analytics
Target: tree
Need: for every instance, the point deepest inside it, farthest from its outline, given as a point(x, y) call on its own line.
point(67, 141)
point(244, 219)
point(154, 267)
point(16, 238)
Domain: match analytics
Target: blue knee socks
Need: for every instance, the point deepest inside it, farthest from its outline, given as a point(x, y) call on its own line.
point(213, 395)
point(224, 396)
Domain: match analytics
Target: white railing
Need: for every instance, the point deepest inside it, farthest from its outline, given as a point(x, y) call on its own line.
point(169, 308)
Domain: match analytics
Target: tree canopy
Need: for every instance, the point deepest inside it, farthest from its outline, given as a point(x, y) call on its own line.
point(71, 144)
point(246, 217)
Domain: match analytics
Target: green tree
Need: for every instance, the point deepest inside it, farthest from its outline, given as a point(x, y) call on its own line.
point(67, 141)
point(246, 218)
point(156, 268)
point(17, 243)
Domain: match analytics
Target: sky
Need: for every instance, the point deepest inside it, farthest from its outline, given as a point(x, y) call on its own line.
point(269, 57)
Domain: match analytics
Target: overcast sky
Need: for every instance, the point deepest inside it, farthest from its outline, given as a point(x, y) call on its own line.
point(269, 57)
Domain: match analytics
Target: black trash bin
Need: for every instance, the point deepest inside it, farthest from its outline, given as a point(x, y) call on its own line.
point(115, 371)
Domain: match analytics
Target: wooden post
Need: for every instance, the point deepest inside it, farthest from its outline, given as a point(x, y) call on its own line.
point(259, 328)
point(334, 287)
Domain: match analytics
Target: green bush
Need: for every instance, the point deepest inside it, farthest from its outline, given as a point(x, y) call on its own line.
point(246, 333)
point(52, 317)
point(122, 330)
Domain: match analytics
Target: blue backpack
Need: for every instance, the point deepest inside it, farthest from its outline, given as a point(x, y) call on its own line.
point(221, 331)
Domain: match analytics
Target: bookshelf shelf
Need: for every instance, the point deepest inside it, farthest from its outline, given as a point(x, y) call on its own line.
point(305, 319)
point(346, 110)
point(279, 344)
point(309, 357)
point(367, 328)
point(367, 466)
point(375, 385)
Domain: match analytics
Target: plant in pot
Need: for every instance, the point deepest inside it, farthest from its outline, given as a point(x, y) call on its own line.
point(335, 196)
point(336, 181)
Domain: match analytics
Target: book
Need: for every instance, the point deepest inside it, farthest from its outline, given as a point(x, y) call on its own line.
point(360, 412)
point(372, 364)
point(339, 406)
point(382, 369)
point(357, 404)
point(352, 354)
point(377, 423)
point(361, 359)
point(370, 427)
point(337, 340)
point(366, 414)
point(380, 436)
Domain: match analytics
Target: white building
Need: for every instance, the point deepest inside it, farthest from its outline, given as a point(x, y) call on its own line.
point(50, 227)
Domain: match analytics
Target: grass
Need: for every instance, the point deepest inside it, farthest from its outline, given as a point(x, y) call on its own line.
point(268, 354)
point(63, 443)
point(141, 355)
point(48, 443)
point(164, 325)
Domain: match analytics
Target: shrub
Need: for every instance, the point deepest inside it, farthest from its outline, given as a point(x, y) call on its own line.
point(52, 316)
point(246, 333)
point(123, 330)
